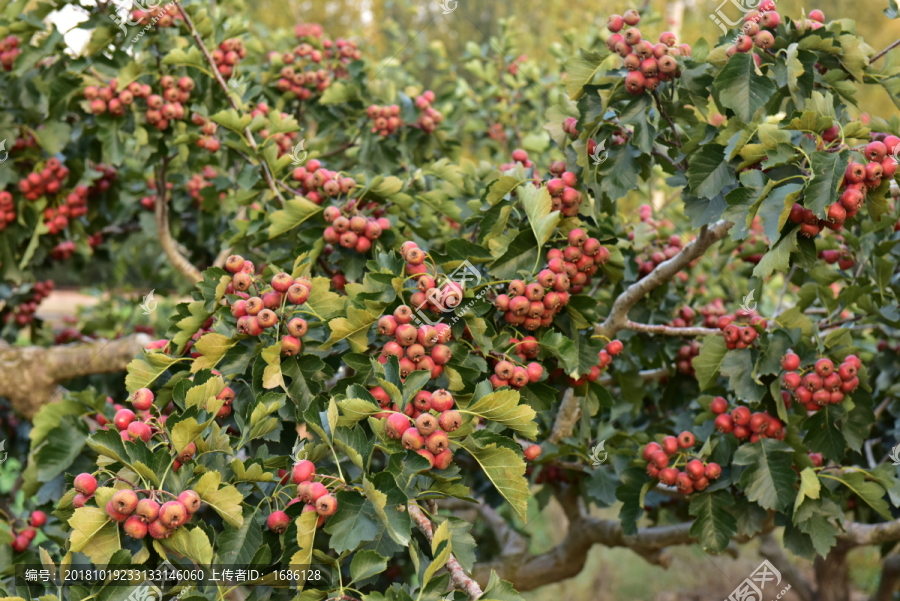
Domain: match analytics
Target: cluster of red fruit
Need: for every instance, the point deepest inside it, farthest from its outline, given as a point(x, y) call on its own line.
point(385, 119)
point(257, 313)
point(752, 34)
point(656, 253)
point(22, 538)
point(199, 181)
point(103, 99)
point(563, 195)
point(739, 329)
point(858, 178)
point(9, 50)
point(424, 425)
point(685, 357)
point(696, 475)
point(357, 232)
point(305, 74)
point(520, 156)
point(313, 494)
point(49, 180)
point(129, 425)
point(506, 373)
point(140, 517)
point(63, 251)
point(162, 109)
point(7, 209)
point(208, 140)
point(228, 55)
point(149, 201)
point(745, 425)
point(648, 64)
point(840, 256)
point(158, 15)
point(417, 349)
point(823, 384)
point(429, 117)
point(23, 313)
point(314, 178)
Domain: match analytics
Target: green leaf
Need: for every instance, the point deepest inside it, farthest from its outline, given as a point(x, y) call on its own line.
point(323, 301)
point(709, 172)
point(809, 487)
point(741, 89)
point(827, 171)
point(354, 522)
point(94, 534)
point(498, 189)
point(354, 410)
point(715, 525)
point(870, 492)
point(366, 564)
point(306, 537)
point(503, 407)
point(232, 120)
point(769, 477)
point(238, 545)
point(143, 370)
point(440, 549)
point(541, 216)
point(506, 469)
point(60, 449)
point(193, 544)
point(738, 367)
point(581, 70)
point(822, 432)
point(778, 258)
point(272, 377)
point(185, 432)
point(709, 361)
point(294, 213)
point(354, 329)
point(386, 499)
point(213, 347)
point(226, 501)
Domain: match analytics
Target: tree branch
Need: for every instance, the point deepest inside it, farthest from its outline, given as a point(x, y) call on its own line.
point(669, 330)
point(890, 578)
point(885, 51)
point(771, 550)
point(618, 316)
point(39, 370)
point(458, 576)
point(251, 141)
point(566, 417)
point(178, 260)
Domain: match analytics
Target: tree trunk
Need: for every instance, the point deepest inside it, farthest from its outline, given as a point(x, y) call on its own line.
point(832, 574)
point(30, 376)
point(890, 579)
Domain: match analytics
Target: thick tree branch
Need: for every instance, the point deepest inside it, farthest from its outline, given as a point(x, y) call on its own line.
point(510, 541)
point(458, 576)
point(618, 316)
point(771, 550)
point(890, 579)
point(566, 417)
point(669, 330)
point(858, 535)
point(251, 141)
point(178, 260)
point(36, 372)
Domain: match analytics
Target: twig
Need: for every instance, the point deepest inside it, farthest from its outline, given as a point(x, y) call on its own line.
point(885, 51)
point(669, 330)
point(218, 76)
point(178, 260)
point(458, 576)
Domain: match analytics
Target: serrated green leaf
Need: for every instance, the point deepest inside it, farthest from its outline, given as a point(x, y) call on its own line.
point(503, 407)
point(506, 470)
point(226, 501)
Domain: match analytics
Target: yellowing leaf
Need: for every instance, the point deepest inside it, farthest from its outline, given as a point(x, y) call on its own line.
point(226, 501)
point(503, 407)
point(193, 544)
point(354, 329)
point(506, 469)
point(213, 347)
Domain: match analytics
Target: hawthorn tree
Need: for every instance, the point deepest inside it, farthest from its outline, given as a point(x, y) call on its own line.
point(397, 322)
